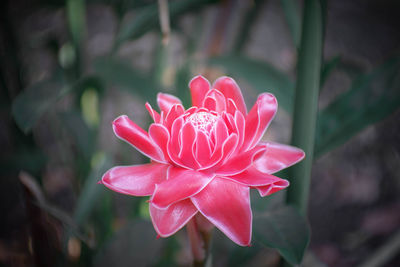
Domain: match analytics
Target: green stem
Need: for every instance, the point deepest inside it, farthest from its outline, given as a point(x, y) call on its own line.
point(306, 102)
point(77, 26)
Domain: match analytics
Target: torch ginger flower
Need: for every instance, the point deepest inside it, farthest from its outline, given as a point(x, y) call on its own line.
point(204, 159)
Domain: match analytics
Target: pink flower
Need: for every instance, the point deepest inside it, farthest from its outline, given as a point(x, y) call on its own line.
point(204, 159)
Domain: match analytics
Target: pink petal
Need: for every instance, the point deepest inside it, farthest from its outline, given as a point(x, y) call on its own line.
point(188, 139)
point(174, 145)
point(176, 111)
point(220, 134)
point(193, 110)
point(278, 157)
point(137, 180)
point(229, 121)
point(259, 118)
point(240, 127)
point(199, 86)
point(229, 146)
point(160, 136)
point(253, 177)
point(221, 155)
point(203, 149)
point(154, 114)
point(240, 162)
point(215, 100)
point(170, 220)
point(166, 101)
point(130, 132)
point(227, 205)
point(231, 106)
point(210, 103)
point(181, 184)
point(230, 89)
point(272, 188)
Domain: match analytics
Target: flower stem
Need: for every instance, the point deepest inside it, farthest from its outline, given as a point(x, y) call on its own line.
point(77, 27)
point(306, 102)
point(199, 238)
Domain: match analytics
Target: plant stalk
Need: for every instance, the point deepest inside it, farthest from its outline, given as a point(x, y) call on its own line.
point(306, 102)
point(199, 238)
point(76, 18)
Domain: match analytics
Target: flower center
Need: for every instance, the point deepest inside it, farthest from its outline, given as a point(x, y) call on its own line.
point(203, 121)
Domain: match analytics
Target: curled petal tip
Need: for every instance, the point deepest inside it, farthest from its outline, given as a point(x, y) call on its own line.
point(201, 77)
point(167, 101)
point(303, 154)
point(278, 157)
point(231, 90)
point(119, 118)
point(198, 79)
point(267, 97)
point(272, 188)
point(118, 121)
point(199, 86)
point(225, 79)
point(100, 182)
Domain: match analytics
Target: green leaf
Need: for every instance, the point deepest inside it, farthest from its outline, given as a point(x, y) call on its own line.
point(90, 107)
point(371, 98)
point(291, 10)
point(147, 19)
point(79, 131)
point(246, 24)
point(34, 101)
point(261, 75)
point(327, 69)
point(24, 158)
point(243, 256)
point(119, 73)
point(182, 78)
point(76, 19)
point(31, 104)
point(134, 245)
point(284, 229)
point(91, 191)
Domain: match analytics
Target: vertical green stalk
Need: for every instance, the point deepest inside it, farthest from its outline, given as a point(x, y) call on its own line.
point(161, 60)
point(163, 13)
point(306, 102)
point(77, 25)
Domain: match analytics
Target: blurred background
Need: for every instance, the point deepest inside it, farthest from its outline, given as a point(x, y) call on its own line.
point(68, 68)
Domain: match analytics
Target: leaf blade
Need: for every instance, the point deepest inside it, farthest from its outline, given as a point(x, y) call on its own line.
point(261, 75)
point(371, 98)
point(31, 104)
point(119, 73)
point(147, 19)
point(291, 10)
point(284, 229)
